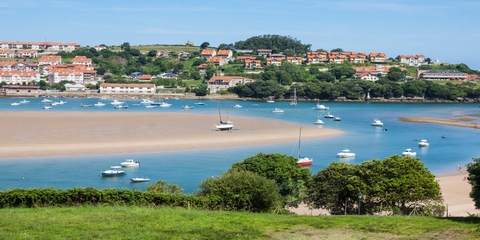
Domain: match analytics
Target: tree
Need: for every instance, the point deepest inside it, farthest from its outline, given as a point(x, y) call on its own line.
point(396, 184)
point(210, 71)
point(201, 90)
point(473, 170)
point(240, 190)
point(164, 187)
point(284, 170)
point(152, 53)
point(337, 50)
point(125, 46)
point(204, 45)
point(396, 74)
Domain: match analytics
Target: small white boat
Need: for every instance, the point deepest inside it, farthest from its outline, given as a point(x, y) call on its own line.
point(116, 102)
point(146, 101)
point(99, 104)
point(164, 104)
point(270, 101)
point(62, 102)
point(328, 115)
point(114, 172)
point(345, 153)
point(237, 106)
point(150, 106)
point(277, 110)
point(199, 103)
point(15, 103)
point(408, 152)
point(320, 107)
point(24, 101)
point(85, 105)
point(224, 126)
point(377, 123)
point(46, 100)
point(130, 163)
point(187, 107)
point(337, 119)
point(318, 122)
point(120, 106)
point(54, 103)
point(47, 107)
point(423, 143)
point(139, 179)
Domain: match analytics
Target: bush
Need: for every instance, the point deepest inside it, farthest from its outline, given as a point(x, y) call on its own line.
point(241, 190)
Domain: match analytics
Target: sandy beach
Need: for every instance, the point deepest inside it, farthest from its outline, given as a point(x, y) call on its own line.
point(42, 134)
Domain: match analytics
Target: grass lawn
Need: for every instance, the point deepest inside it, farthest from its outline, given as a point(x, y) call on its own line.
point(169, 223)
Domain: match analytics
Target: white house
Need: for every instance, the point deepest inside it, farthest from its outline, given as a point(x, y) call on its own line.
point(124, 88)
point(218, 83)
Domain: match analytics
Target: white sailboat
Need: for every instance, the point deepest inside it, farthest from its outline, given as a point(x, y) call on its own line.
point(294, 101)
point(223, 125)
point(303, 161)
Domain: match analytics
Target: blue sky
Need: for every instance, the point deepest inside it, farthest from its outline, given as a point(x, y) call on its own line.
point(447, 30)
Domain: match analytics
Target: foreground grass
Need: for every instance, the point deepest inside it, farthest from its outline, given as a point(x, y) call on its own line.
point(169, 223)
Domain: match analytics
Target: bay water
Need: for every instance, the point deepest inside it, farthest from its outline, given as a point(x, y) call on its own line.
point(189, 168)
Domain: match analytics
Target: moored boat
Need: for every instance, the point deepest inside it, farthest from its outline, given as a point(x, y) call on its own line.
point(99, 104)
point(114, 172)
point(408, 152)
point(130, 163)
point(187, 107)
point(277, 110)
point(423, 143)
point(377, 123)
point(345, 153)
point(139, 179)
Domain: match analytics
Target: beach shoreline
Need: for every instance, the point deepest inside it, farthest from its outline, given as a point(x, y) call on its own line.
point(41, 134)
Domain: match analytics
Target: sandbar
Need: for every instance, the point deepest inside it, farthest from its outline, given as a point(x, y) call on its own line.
point(457, 122)
point(46, 134)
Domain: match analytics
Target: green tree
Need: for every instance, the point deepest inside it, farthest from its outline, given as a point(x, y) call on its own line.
point(201, 90)
point(204, 45)
point(165, 188)
point(337, 50)
point(289, 176)
point(473, 170)
point(397, 184)
point(242, 191)
point(210, 71)
point(152, 53)
point(125, 46)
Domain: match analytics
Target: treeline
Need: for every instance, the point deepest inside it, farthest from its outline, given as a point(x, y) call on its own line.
point(337, 82)
point(269, 183)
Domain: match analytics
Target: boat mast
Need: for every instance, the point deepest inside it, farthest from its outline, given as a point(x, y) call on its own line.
point(295, 95)
point(299, 137)
point(219, 113)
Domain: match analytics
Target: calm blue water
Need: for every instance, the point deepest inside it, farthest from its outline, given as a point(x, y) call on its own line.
point(189, 168)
